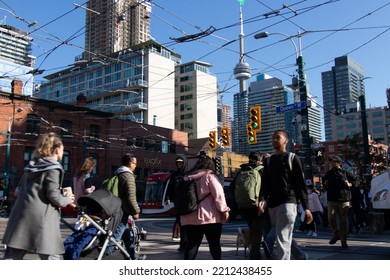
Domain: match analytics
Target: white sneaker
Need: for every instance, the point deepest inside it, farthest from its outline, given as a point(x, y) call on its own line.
point(176, 238)
point(310, 233)
point(314, 234)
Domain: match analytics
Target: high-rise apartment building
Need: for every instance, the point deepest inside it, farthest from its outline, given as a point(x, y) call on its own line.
point(137, 85)
point(16, 60)
point(269, 93)
point(240, 119)
point(196, 99)
point(226, 116)
point(342, 84)
point(115, 25)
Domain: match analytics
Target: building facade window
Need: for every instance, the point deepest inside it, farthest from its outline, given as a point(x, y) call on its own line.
point(28, 155)
point(94, 132)
point(66, 132)
point(32, 124)
point(66, 161)
point(185, 107)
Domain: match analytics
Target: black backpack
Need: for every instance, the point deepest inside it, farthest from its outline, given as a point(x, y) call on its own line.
point(186, 196)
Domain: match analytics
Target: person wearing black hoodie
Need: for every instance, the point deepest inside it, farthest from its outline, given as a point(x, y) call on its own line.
point(177, 230)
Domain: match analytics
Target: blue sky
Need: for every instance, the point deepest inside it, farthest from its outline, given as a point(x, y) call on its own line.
point(330, 28)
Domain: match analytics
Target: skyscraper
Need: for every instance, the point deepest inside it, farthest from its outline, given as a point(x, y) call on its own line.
point(114, 25)
point(340, 86)
point(269, 93)
point(240, 119)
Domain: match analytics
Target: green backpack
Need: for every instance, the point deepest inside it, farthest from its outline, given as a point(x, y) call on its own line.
point(111, 184)
point(247, 187)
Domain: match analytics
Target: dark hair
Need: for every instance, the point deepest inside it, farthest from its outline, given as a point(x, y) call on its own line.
point(282, 131)
point(127, 158)
point(204, 162)
point(254, 156)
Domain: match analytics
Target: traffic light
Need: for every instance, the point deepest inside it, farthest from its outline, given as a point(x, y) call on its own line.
point(251, 134)
point(212, 140)
point(218, 164)
point(225, 136)
point(255, 117)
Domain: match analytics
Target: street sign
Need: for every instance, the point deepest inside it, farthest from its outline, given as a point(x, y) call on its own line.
point(291, 107)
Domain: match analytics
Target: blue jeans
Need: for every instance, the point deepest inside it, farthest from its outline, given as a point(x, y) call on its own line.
point(282, 219)
point(124, 232)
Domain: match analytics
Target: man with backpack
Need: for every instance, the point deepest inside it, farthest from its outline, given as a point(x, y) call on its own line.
point(246, 187)
point(178, 230)
point(282, 188)
point(127, 193)
point(338, 182)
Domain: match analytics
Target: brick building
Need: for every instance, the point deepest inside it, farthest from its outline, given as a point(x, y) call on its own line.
point(84, 132)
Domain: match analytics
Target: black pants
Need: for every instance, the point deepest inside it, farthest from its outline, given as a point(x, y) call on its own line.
point(256, 224)
point(194, 236)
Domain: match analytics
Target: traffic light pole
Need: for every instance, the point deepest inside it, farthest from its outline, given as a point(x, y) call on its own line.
point(306, 141)
point(366, 148)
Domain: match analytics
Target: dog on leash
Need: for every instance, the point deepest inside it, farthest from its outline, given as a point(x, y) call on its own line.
point(243, 240)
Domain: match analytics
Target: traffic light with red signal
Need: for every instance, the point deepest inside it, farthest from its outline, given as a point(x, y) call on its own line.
point(225, 137)
point(255, 117)
point(212, 140)
point(251, 134)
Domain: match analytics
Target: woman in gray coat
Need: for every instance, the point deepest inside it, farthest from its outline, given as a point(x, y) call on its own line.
point(34, 223)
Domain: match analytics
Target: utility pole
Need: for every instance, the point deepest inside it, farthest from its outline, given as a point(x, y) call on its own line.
point(306, 140)
point(7, 159)
point(366, 148)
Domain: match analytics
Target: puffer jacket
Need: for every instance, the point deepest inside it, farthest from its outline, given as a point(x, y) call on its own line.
point(210, 209)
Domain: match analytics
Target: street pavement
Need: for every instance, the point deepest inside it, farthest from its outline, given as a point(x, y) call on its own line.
point(160, 246)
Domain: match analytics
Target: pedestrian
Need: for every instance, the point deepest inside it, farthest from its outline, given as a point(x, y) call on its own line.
point(324, 202)
point(250, 211)
point(316, 210)
point(211, 213)
point(338, 182)
point(283, 186)
point(34, 223)
point(127, 193)
point(82, 181)
point(177, 230)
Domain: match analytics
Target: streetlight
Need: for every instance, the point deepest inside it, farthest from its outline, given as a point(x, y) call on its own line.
point(306, 142)
point(8, 152)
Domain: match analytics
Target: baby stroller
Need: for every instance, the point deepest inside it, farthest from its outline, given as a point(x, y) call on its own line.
point(100, 212)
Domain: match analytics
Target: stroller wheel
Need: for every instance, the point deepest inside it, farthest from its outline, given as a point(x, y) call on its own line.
point(137, 248)
point(3, 214)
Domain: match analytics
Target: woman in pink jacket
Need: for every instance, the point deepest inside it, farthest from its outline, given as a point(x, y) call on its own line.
point(211, 213)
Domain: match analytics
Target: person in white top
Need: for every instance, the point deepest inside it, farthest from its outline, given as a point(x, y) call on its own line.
point(315, 208)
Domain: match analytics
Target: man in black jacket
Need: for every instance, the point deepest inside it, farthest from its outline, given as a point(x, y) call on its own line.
point(338, 183)
point(281, 189)
point(177, 230)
